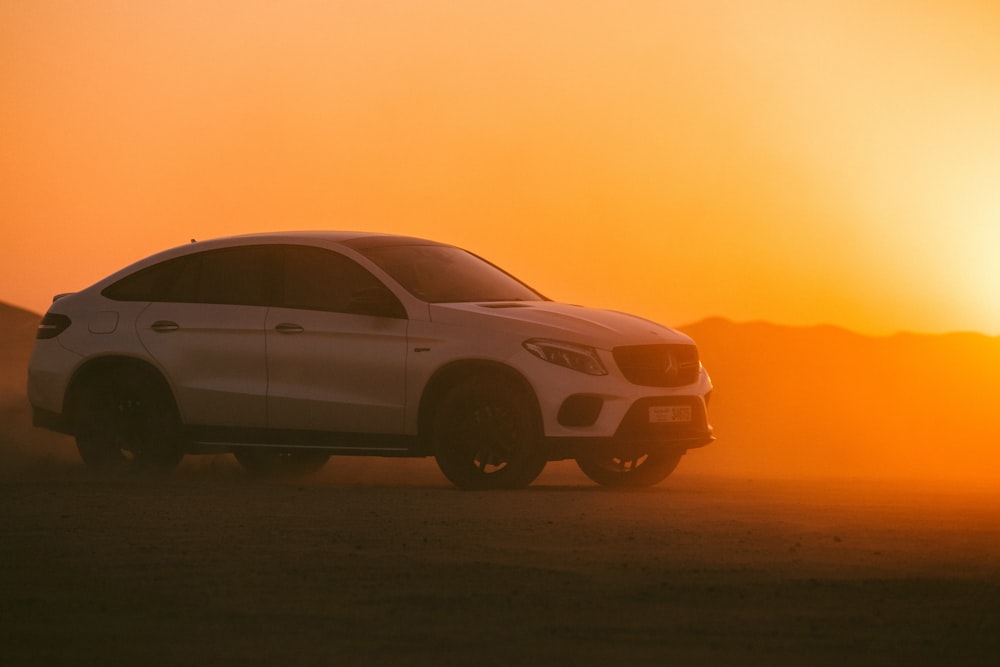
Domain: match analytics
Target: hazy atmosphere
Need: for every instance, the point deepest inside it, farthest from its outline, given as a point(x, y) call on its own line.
point(806, 188)
point(795, 162)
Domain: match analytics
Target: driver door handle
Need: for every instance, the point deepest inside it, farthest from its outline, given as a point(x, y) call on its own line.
point(289, 328)
point(164, 326)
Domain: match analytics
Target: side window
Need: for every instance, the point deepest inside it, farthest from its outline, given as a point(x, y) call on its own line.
point(318, 279)
point(238, 276)
point(235, 276)
point(172, 280)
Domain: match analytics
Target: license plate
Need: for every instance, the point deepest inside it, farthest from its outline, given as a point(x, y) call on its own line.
point(667, 414)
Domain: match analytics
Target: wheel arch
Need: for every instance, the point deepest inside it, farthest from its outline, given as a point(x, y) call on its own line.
point(455, 372)
point(100, 367)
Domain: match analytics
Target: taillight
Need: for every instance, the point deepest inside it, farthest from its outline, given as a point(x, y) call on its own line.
point(52, 325)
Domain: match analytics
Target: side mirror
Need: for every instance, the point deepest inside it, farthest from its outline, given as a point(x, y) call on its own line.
point(377, 302)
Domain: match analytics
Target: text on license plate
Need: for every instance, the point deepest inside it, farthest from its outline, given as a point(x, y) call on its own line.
point(661, 414)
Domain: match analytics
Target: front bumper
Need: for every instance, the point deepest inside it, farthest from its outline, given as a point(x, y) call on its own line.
point(638, 435)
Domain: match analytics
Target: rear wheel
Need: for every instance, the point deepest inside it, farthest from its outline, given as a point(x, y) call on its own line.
point(125, 420)
point(629, 471)
point(486, 435)
point(281, 463)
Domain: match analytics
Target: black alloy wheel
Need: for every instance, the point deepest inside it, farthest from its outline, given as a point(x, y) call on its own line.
point(486, 435)
point(124, 420)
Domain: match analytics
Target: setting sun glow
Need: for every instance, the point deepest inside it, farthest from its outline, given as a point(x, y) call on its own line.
point(797, 162)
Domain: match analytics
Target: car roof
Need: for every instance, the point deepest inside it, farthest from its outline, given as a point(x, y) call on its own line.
point(348, 239)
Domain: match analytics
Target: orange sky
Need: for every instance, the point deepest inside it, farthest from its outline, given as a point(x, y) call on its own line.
point(795, 161)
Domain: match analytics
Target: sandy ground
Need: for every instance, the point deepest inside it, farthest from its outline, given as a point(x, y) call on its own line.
point(381, 562)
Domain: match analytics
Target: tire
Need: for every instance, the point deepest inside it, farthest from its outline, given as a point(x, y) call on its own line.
point(278, 463)
point(124, 420)
point(629, 472)
point(486, 435)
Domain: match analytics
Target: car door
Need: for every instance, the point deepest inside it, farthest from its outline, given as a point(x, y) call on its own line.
point(331, 366)
point(207, 334)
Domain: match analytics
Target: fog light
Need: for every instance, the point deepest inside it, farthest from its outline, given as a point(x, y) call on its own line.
point(580, 410)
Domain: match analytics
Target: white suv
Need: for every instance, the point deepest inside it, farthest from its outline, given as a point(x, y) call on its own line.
point(287, 348)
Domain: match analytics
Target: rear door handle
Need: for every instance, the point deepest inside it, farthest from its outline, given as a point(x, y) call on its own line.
point(165, 326)
point(289, 328)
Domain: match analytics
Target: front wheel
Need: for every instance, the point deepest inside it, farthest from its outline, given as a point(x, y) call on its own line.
point(629, 471)
point(487, 435)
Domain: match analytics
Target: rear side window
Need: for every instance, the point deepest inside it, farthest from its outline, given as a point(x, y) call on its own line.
point(173, 280)
point(237, 276)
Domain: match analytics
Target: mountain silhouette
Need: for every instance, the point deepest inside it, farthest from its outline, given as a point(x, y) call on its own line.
point(825, 401)
point(17, 336)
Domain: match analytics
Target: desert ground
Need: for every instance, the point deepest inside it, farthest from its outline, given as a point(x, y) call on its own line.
point(382, 562)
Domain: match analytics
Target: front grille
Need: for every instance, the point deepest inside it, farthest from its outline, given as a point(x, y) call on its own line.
point(658, 365)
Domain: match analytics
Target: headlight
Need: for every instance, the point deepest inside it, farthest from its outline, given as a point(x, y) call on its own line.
point(577, 357)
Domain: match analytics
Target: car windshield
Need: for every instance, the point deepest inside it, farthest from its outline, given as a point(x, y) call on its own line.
point(445, 274)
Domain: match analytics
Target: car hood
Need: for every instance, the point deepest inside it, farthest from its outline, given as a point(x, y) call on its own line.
point(546, 319)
